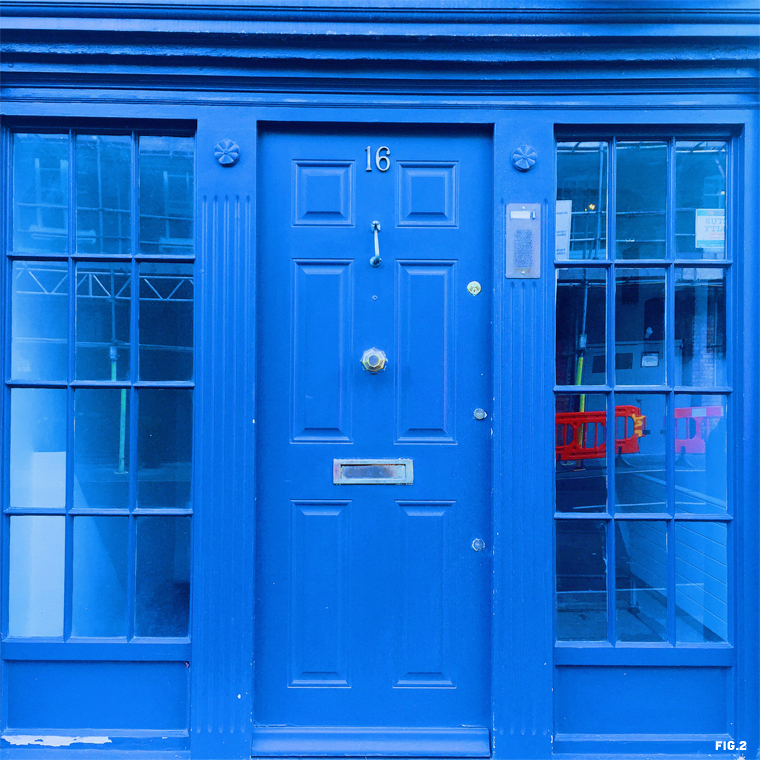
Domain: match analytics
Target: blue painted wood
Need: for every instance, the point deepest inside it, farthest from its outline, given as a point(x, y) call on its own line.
point(524, 89)
point(744, 486)
point(523, 428)
point(372, 742)
point(643, 700)
point(97, 650)
point(222, 616)
point(371, 613)
point(97, 695)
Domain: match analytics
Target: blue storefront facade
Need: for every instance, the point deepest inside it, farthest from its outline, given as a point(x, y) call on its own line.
point(380, 381)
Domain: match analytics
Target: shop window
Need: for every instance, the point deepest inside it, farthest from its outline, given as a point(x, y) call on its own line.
point(99, 388)
point(644, 515)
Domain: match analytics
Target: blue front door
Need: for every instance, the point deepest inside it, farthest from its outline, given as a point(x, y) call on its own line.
point(373, 598)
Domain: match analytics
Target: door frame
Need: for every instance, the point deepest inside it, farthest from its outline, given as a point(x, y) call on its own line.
point(522, 650)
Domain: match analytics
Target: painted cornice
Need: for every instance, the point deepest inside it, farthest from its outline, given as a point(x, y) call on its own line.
point(388, 18)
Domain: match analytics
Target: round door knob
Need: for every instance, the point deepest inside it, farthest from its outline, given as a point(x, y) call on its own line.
point(374, 360)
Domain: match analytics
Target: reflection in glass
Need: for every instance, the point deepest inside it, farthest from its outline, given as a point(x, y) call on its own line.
point(640, 327)
point(581, 580)
point(103, 165)
point(641, 573)
point(580, 452)
point(701, 199)
point(166, 195)
point(101, 447)
point(38, 448)
point(39, 310)
point(700, 326)
point(40, 193)
point(642, 190)
point(701, 581)
point(640, 481)
point(99, 606)
point(35, 584)
point(701, 453)
point(166, 321)
point(581, 321)
point(164, 447)
point(162, 600)
point(102, 321)
point(581, 229)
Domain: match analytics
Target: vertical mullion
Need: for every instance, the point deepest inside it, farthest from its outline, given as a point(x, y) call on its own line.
point(133, 399)
point(6, 225)
point(670, 377)
point(71, 376)
point(611, 421)
point(733, 477)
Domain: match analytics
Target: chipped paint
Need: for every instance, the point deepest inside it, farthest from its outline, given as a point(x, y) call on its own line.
point(22, 740)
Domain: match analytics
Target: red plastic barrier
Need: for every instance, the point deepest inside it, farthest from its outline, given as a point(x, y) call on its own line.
point(583, 435)
point(693, 425)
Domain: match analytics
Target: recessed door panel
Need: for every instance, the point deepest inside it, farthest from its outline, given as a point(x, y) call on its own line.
point(319, 610)
point(426, 401)
point(424, 614)
point(321, 334)
point(372, 608)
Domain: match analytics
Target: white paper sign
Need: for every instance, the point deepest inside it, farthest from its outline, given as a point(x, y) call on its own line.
point(710, 228)
point(562, 229)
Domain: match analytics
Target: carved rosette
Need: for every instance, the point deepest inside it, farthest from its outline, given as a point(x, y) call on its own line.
point(227, 152)
point(524, 158)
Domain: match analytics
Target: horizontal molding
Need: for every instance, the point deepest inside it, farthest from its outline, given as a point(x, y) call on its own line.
point(133, 651)
point(637, 746)
point(30, 101)
point(605, 655)
point(482, 85)
point(483, 12)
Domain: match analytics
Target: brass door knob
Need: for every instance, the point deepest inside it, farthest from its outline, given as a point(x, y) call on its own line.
point(374, 360)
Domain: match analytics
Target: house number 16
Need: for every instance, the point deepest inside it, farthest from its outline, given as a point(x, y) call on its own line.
point(382, 162)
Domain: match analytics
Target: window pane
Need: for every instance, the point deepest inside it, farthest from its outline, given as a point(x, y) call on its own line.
point(164, 447)
point(640, 481)
point(642, 190)
point(102, 319)
point(580, 452)
point(40, 193)
point(163, 576)
point(581, 580)
point(101, 448)
point(39, 318)
point(701, 453)
point(581, 320)
point(103, 193)
point(581, 229)
point(166, 195)
point(38, 448)
point(641, 573)
point(700, 327)
point(640, 327)
point(166, 321)
point(35, 599)
point(701, 581)
point(100, 576)
point(701, 199)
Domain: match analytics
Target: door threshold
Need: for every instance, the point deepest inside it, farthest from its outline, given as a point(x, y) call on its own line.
point(379, 742)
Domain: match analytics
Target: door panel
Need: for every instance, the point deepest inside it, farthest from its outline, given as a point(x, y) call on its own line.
point(372, 608)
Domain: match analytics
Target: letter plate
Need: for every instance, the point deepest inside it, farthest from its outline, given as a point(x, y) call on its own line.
point(388, 472)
